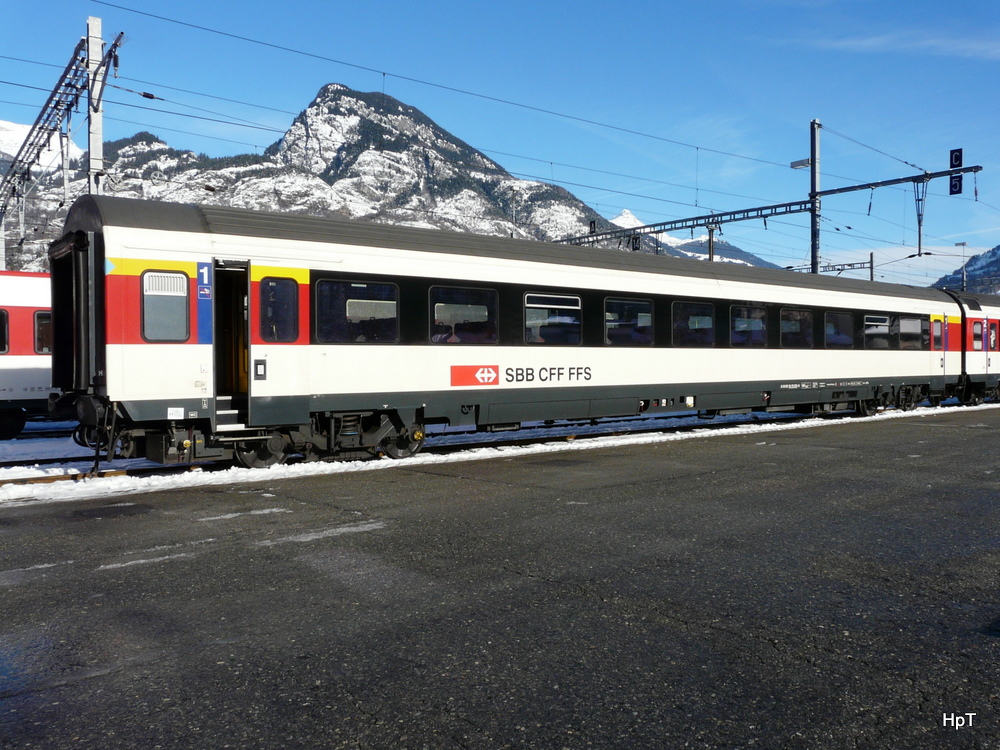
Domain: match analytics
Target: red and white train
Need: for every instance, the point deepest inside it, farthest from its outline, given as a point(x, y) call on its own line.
point(25, 349)
point(186, 332)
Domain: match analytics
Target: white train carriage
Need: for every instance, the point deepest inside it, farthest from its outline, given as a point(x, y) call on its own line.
point(25, 349)
point(206, 332)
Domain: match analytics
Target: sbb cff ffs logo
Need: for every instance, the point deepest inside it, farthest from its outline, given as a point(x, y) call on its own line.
point(475, 374)
point(465, 375)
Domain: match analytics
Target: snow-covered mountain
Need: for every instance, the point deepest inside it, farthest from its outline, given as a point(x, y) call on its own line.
point(361, 155)
point(12, 135)
point(982, 274)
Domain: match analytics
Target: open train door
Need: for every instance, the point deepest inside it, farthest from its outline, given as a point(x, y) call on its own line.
point(231, 287)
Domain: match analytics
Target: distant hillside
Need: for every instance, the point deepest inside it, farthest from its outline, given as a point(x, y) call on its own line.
point(982, 274)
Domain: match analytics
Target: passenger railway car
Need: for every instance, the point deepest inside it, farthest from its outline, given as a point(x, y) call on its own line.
point(25, 349)
point(187, 332)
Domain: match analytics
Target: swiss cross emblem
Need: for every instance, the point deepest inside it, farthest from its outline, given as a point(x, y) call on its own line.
point(475, 374)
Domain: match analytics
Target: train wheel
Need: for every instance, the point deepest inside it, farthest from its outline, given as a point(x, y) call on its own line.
point(907, 400)
point(971, 396)
point(11, 423)
point(259, 454)
point(404, 444)
point(867, 408)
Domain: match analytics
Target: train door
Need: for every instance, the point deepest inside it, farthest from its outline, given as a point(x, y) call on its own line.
point(278, 353)
point(977, 353)
point(939, 332)
point(992, 346)
point(232, 355)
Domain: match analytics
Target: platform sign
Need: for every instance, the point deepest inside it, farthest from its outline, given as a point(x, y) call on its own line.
point(956, 158)
point(955, 185)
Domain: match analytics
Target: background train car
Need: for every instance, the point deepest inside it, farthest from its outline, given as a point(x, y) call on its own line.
point(202, 332)
point(974, 338)
point(25, 349)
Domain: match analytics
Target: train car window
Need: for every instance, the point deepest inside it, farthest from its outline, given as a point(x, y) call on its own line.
point(43, 332)
point(877, 334)
point(911, 334)
point(4, 337)
point(279, 310)
point(552, 319)
point(628, 322)
point(351, 312)
point(994, 341)
point(693, 323)
point(165, 306)
point(977, 336)
point(937, 329)
point(796, 329)
point(839, 330)
point(747, 326)
point(463, 316)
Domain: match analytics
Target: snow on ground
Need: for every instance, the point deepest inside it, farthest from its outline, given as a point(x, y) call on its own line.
point(111, 487)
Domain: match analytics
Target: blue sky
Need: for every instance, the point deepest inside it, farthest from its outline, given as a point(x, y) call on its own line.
point(669, 109)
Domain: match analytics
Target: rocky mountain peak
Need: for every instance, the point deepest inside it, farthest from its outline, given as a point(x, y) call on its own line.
point(363, 155)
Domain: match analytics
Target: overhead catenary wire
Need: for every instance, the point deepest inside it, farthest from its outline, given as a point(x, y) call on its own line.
point(872, 148)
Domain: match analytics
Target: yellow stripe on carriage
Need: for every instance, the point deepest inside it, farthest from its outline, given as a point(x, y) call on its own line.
point(138, 266)
point(257, 272)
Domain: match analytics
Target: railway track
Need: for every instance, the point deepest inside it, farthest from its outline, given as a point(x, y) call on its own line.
point(44, 434)
point(82, 467)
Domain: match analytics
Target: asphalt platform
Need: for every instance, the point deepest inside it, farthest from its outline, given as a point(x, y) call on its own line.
point(828, 587)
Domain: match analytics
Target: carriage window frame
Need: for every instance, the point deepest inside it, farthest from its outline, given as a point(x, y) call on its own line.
point(805, 334)
point(344, 330)
point(835, 331)
point(756, 338)
point(43, 331)
point(544, 310)
point(682, 334)
point(937, 335)
point(4, 332)
point(978, 339)
point(441, 310)
point(156, 324)
point(626, 330)
point(279, 325)
point(878, 333)
point(911, 333)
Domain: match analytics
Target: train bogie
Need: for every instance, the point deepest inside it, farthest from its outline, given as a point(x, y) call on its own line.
point(195, 333)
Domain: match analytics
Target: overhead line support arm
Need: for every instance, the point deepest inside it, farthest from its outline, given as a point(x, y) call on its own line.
point(746, 214)
point(925, 177)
